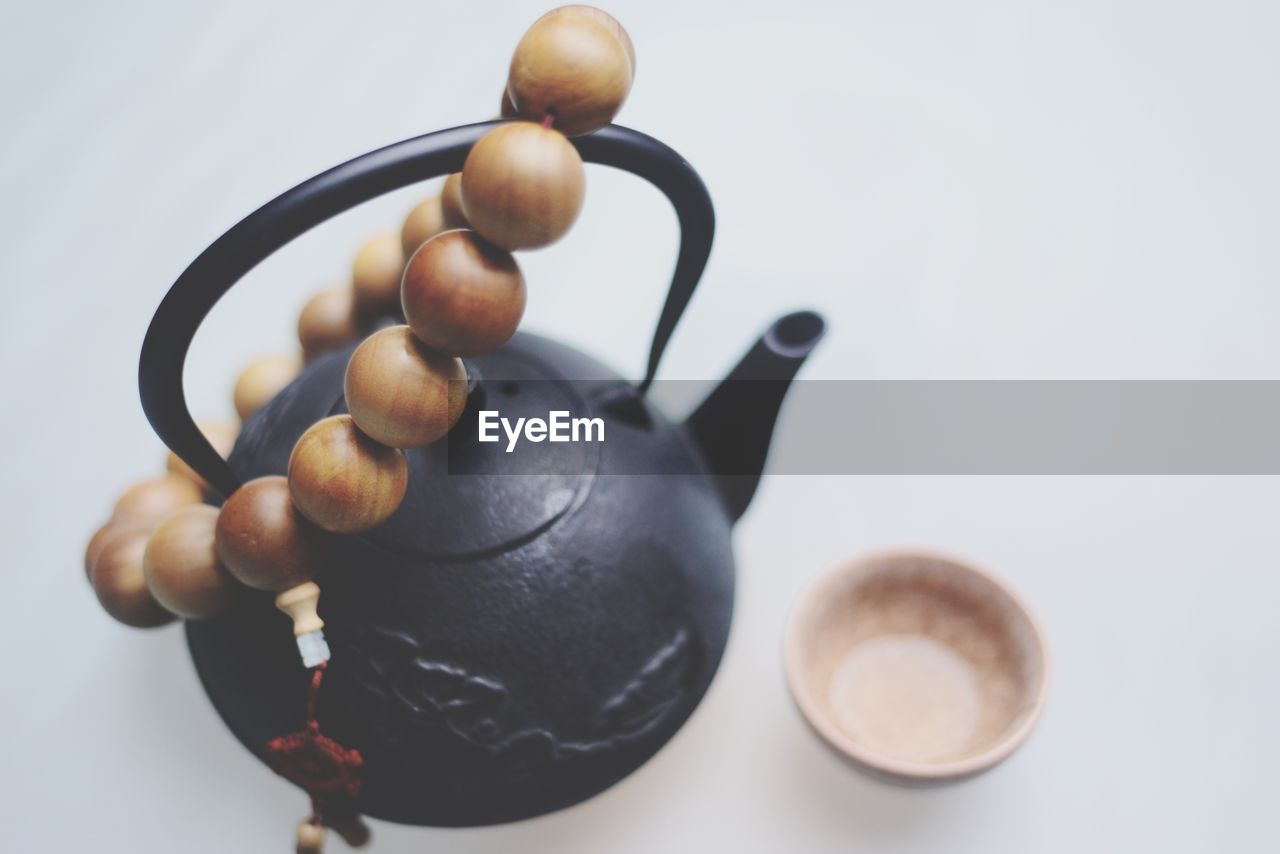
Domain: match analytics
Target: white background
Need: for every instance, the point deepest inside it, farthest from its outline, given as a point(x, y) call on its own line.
point(1083, 189)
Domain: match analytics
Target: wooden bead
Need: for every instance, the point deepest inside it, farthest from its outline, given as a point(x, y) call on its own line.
point(462, 295)
point(451, 202)
point(401, 393)
point(522, 186)
point(261, 380)
point(105, 534)
point(120, 585)
point(150, 501)
point(328, 321)
point(576, 63)
point(310, 838)
point(424, 222)
point(264, 541)
point(182, 568)
point(375, 276)
point(344, 481)
point(221, 434)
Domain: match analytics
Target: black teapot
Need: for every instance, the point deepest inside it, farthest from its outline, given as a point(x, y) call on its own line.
point(528, 628)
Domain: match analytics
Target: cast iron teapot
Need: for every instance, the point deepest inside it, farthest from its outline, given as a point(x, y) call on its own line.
point(527, 629)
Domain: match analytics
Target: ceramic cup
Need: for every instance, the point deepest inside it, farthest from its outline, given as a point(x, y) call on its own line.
point(918, 668)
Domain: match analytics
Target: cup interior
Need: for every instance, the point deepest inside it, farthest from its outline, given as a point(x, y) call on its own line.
point(916, 666)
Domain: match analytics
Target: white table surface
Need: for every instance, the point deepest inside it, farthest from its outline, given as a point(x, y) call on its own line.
point(977, 190)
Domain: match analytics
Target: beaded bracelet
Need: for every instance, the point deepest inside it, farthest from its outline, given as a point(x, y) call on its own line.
point(165, 554)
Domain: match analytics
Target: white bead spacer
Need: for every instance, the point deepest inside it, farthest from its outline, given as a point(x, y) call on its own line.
point(313, 648)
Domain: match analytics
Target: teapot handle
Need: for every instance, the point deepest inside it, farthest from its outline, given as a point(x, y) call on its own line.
point(294, 212)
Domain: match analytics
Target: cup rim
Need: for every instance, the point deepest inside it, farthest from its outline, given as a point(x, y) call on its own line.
point(794, 659)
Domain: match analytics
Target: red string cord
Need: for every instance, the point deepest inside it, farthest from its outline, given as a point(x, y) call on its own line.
point(322, 767)
point(313, 692)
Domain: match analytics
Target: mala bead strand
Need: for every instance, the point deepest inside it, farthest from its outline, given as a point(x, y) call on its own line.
point(402, 394)
point(328, 321)
point(462, 295)
point(344, 481)
point(261, 380)
point(450, 269)
point(121, 586)
point(181, 566)
point(522, 186)
point(375, 275)
point(575, 63)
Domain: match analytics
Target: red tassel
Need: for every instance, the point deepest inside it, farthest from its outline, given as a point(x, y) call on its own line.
point(318, 764)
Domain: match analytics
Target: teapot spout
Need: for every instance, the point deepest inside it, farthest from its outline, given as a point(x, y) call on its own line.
point(733, 427)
